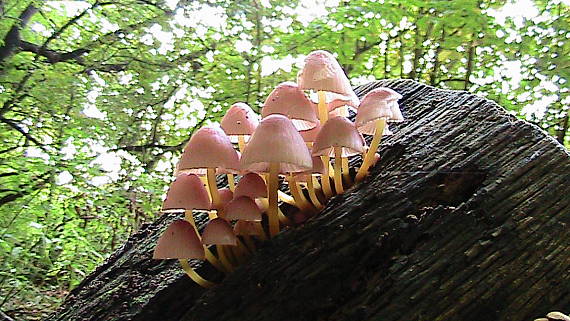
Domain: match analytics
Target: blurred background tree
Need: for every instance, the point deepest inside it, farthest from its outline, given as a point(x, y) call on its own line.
point(98, 98)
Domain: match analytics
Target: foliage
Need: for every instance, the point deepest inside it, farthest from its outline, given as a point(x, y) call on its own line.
point(97, 98)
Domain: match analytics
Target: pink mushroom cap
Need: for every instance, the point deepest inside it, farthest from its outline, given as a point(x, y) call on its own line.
point(323, 72)
point(369, 113)
point(276, 141)
point(226, 195)
point(251, 185)
point(218, 232)
point(187, 192)
point(242, 208)
point(381, 102)
point(179, 241)
point(310, 135)
point(287, 99)
point(246, 228)
point(240, 119)
point(338, 132)
point(318, 168)
point(209, 148)
point(336, 100)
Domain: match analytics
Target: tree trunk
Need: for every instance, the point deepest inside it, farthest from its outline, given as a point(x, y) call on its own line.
point(463, 218)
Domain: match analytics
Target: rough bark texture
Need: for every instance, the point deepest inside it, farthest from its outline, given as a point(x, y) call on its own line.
point(464, 218)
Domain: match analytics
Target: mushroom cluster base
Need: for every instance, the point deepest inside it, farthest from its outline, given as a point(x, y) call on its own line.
point(465, 217)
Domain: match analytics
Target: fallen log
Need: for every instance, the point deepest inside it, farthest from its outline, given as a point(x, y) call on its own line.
point(465, 217)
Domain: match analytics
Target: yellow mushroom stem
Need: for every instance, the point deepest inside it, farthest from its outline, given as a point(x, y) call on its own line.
point(346, 172)
point(282, 218)
point(213, 187)
point(210, 257)
point(325, 179)
point(240, 252)
point(194, 276)
point(312, 195)
point(272, 186)
point(241, 143)
point(298, 195)
point(368, 158)
point(224, 258)
point(249, 243)
point(338, 170)
point(231, 182)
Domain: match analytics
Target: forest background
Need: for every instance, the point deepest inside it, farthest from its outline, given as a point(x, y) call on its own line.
point(98, 98)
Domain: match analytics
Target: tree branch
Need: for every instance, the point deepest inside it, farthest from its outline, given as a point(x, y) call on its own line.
point(12, 39)
point(19, 129)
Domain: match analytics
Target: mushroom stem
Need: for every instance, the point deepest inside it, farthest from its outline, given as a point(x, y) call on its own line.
point(338, 170)
point(368, 159)
point(312, 194)
point(249, 243)
point(282, 218)
point(231, 182)
point(300, 199)
point(346, 172)
point(213, 188)
point(210, 257)
point(194, 276)
point(272, 193)
point(325, 180)
point(241, 143)
point(322, 107)
point(224, 258)
point(286, 198)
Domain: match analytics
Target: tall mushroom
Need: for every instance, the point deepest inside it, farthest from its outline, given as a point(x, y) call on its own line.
point(275, 147)
point(377, 107)
point(340, 138)
point(209, 148)
point(322, 73)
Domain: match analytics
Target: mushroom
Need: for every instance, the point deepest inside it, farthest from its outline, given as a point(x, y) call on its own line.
point(219, 232)
point(275, 147)
point(181, 241)
point(244, 208)
point(340, 138)
point(239, 123)
point(376, 108)
point(287, 99)
point(209, 148)
point(309, 136)
point(188, 193)
point(323, 73)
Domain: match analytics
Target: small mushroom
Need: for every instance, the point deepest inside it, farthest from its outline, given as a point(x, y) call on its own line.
point(340, 138)
point(219, 232)
point(181, 241)
point(239, 123)
point(376, 108)
point(209, 148)
point(275, 147)
point(188, 193)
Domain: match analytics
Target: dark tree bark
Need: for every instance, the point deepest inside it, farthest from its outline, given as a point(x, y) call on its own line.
point(465, 217)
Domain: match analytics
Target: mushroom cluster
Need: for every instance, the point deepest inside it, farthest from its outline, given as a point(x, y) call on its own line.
point(304, 125)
